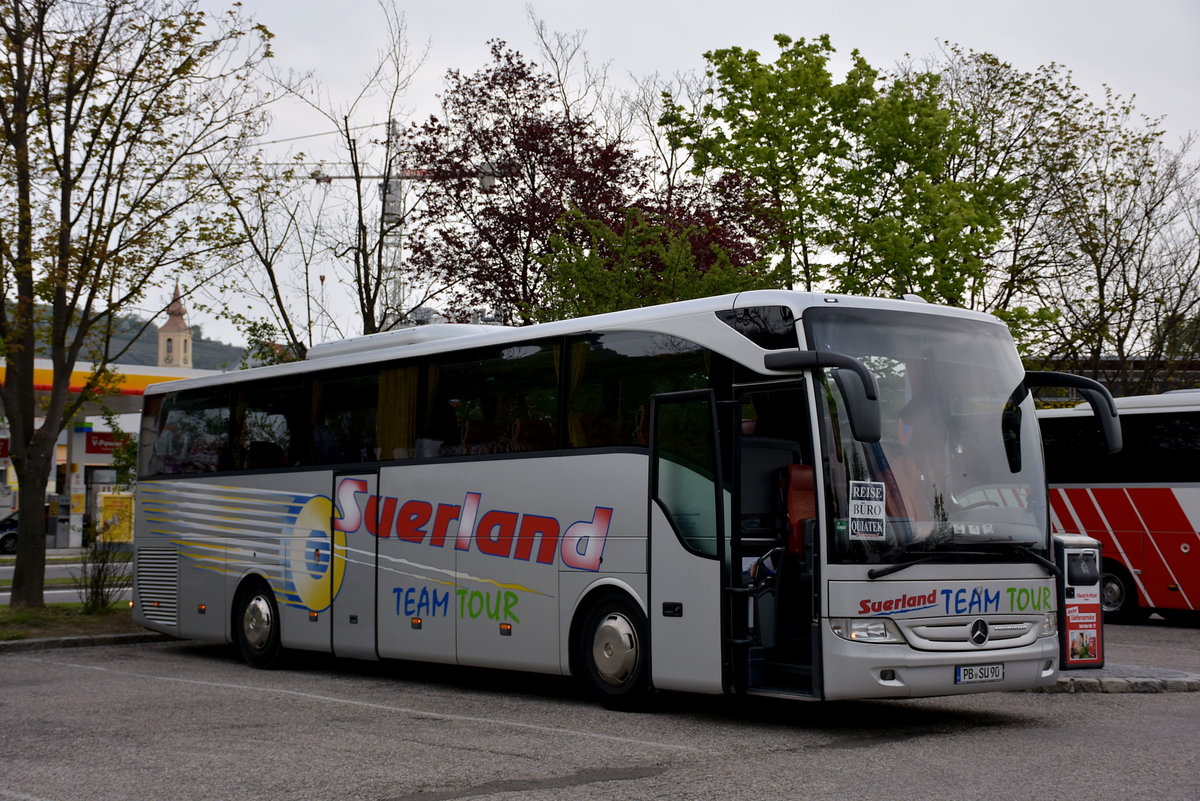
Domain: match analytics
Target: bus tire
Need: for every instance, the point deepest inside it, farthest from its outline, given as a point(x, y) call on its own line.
point(613, 652)
point(256, 624)
point(1118, 595)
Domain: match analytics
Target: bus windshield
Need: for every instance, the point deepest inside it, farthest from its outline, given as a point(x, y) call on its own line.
point(958, 470)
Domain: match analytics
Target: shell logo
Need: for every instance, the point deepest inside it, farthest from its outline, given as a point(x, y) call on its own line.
point(316, 555)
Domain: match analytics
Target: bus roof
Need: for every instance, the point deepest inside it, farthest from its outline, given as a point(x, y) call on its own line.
point(1175, 400)
point(667, 318)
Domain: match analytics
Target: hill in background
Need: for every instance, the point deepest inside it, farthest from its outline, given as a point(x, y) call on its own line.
point(207, 354)
point(137, 344)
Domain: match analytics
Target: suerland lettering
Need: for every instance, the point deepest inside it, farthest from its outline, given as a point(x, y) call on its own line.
point(500, 533)
point(905, 603)
point(963, 601)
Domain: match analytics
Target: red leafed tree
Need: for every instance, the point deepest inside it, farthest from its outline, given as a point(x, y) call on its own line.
point(507, 161)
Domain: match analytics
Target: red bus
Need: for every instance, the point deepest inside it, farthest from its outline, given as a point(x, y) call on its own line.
point(1142, 504)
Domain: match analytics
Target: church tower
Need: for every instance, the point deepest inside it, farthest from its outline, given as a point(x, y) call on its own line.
point(175, 336)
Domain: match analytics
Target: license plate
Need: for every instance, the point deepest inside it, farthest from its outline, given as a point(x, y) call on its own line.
point(976, 674)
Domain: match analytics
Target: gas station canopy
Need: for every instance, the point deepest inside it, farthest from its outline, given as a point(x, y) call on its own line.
point(132, 382)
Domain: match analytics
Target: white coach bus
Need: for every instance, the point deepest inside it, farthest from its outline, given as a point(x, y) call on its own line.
point(774, 493)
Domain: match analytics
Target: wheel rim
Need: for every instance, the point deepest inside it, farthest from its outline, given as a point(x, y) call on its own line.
point(258, 622)
point(1112, 593)
point(615, 649)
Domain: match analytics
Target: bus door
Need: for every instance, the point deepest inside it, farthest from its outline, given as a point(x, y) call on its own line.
point(356, 513)
point(687, 526)
point(771, 593)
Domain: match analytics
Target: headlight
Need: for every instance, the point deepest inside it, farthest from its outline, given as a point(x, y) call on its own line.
point(1049, 625)
point(866, 629)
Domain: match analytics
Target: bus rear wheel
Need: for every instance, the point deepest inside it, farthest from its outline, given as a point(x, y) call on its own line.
point(613, 652)
point(256, 625)
point(1118, 595)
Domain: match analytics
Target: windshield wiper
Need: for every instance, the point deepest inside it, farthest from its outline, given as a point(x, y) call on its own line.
point(1025, 549)
point(880, 572)
point(927, 554)
point(943, 552)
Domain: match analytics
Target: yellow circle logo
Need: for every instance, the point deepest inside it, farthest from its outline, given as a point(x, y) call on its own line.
point(316, 558)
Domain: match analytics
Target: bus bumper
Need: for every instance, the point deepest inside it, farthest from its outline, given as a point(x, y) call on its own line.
point(862, 670)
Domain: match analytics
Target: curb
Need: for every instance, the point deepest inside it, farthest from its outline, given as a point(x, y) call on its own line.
point(1183, 683)
point(82, 641)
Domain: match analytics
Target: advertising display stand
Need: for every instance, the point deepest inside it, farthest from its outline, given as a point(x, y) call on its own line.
point(1080, 618)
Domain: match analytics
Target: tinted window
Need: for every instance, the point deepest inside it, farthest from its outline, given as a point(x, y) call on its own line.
point(344, 425)
point(611, 378)
point(770, 327)
point(493, 400)
point(1158, 448)
point(685, 473)
point(192, 434)
point(399, 393)
point(272, 425)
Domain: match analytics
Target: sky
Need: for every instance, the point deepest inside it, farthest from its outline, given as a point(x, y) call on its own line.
point(1147, 50)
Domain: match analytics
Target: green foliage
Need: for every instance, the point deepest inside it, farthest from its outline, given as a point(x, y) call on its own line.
point(781, 125)
point(593, 269)
point(1030, 328)
point(902, 221)
point(106, 570)
point(860, 175)
point(262, 343)
point(117, 116)
point(125, 455)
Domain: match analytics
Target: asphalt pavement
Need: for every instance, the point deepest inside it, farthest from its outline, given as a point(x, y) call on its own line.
point(1111, 678)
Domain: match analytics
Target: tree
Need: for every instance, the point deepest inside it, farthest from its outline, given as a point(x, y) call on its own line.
point(1097, 266)
point(311, 235)
point(115, 117)
point(1123, 233)
point(779, 125)
point(506, 163)
point(593, 268)
point(902, 218)
point(861, 176)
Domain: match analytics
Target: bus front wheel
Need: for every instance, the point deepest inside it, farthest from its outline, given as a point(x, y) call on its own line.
point(613, 652)
point(256, 623)
point(1118, 595)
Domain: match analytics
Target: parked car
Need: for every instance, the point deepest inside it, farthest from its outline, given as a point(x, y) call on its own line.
point(8, 534)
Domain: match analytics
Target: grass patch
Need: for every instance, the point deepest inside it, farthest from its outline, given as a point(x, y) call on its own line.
point(63, 620)
point(56, 583)
point(55, 559)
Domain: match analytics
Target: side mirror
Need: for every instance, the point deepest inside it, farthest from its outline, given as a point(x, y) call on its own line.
point(1097, 396)
point(865, 419)
point(853, 380)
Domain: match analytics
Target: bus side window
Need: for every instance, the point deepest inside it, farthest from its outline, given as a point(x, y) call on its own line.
point(192, 434)
point(491, 401)
point(344, 412)
point(611, 378)
point(397, 411)
point(270, 421)
point(685, 473)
